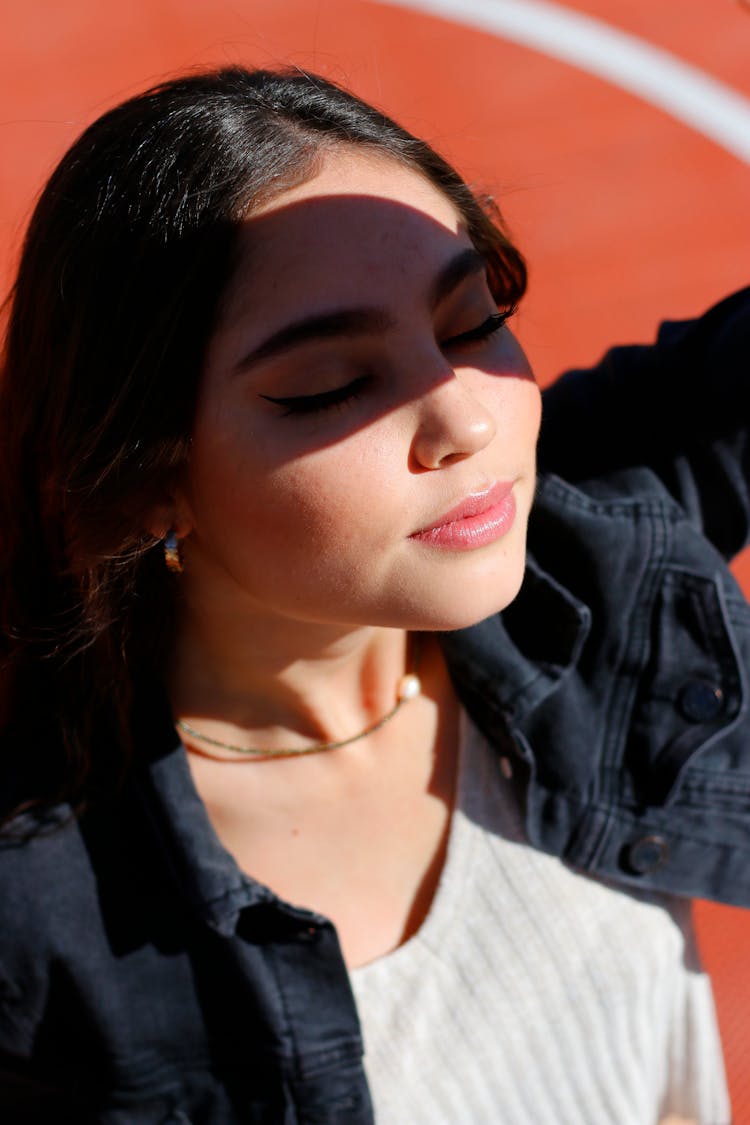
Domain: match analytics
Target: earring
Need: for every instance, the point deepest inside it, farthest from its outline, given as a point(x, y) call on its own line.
point(172, 556)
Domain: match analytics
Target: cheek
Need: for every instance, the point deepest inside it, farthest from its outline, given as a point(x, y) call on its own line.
point(516, 404)
point(534, 409)
point(509, 389)
point(323, 501)
point(337, 497)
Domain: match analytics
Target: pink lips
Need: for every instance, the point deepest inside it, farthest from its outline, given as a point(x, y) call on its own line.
point(480, 519)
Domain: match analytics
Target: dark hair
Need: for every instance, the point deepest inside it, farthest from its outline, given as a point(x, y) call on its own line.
point(126, 256)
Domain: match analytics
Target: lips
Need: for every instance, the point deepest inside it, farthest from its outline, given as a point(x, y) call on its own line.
point(481, 518)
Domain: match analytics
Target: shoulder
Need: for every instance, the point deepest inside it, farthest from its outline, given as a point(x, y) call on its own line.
point(46, 875)
point(627, 492)
point(46, 890)
point(73, 891)
point(631, 510)
point(630, 513)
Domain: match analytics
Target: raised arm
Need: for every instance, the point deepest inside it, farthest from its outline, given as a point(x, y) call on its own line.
point(680, 406)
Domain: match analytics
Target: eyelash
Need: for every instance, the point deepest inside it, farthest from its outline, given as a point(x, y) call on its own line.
point(326, 400)
point(339, 396)
point(483, 331)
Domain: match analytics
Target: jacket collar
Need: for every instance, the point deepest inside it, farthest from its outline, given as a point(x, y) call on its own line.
point(516, 658)
point(198, 864)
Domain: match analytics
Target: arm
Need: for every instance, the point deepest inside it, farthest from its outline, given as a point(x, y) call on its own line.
point(679, 406)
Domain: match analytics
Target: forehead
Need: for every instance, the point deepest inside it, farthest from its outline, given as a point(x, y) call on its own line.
point(362, 225)
point(352, 172)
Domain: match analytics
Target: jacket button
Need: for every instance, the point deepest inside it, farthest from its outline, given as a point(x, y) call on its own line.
point(647, 854)
point(700, 701)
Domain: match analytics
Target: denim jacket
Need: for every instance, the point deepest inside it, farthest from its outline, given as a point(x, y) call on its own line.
point(146, 980)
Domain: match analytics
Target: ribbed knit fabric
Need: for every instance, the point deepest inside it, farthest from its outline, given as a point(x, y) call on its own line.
point(534, 995)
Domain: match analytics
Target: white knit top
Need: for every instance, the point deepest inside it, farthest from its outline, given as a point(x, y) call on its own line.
point(534, 995)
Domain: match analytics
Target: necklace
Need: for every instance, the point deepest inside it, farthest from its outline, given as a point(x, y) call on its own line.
point(408, 687)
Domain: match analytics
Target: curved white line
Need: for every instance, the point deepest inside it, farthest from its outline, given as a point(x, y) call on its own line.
point(682, 90)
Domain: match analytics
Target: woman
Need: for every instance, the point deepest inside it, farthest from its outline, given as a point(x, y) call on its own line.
point(270, 453)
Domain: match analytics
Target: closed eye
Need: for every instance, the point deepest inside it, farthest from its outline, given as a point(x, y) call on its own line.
point(482, 331)
point(340, 396)
point(324, 400)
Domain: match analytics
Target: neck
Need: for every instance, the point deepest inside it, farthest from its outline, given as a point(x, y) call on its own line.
point(264, 685)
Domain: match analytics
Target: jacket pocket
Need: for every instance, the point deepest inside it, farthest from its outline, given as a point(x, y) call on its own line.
point(690, 695)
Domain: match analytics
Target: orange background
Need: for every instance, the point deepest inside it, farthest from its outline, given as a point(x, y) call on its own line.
point(626, 215)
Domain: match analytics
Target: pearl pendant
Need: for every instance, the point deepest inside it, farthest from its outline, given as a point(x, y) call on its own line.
point(409, 686)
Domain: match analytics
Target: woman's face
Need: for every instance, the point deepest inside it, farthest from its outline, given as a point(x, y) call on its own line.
point(364, 447)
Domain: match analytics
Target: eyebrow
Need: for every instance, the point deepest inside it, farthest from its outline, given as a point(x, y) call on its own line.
point(360, 321)
point(347, 322)
point(464, 265)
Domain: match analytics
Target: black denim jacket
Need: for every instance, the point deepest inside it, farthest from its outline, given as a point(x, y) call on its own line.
point(145, 980)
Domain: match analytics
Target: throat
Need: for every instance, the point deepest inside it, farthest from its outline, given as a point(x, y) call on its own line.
point(359, 835)
point(215, 737)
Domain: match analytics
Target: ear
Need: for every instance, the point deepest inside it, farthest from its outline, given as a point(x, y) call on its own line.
point(170, 515)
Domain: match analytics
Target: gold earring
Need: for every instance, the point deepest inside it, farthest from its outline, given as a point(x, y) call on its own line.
point(172, 556)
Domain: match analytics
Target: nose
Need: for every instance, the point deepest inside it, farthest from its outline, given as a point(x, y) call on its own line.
point(452, 424)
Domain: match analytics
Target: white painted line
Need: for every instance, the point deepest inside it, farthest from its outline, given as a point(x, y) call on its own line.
point(687, 93)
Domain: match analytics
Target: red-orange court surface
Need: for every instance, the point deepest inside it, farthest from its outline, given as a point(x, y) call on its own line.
point(615, 137)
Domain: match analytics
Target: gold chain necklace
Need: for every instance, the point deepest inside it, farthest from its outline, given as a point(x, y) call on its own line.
point(408, 687)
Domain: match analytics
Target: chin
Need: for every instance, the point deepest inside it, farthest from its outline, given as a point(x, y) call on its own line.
point(472, 599)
